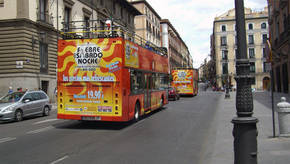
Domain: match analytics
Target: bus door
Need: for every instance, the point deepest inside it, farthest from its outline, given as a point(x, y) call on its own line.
point(147, 93)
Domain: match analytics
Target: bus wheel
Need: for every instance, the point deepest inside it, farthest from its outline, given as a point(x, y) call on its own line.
point(137, 112)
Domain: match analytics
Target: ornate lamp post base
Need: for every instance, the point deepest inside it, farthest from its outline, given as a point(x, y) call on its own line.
point(245, 140)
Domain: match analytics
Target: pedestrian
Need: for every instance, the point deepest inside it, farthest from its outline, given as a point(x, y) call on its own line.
point(10, 90)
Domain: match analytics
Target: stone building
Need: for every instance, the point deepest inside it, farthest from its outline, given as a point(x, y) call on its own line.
point(279, 22)
point(177, 49)
point(29, 31)
point(147, 25)
point(225, 46)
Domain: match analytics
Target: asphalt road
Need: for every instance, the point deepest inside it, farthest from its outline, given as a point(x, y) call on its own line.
point(176, 134)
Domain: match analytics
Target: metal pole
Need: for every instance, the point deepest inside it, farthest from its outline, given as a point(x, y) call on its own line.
point(227, 95)
point(272, 100)
point(245, 129)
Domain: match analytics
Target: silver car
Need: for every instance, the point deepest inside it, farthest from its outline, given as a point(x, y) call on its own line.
point(17, 105)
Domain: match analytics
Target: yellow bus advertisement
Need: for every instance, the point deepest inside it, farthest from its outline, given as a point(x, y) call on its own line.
point(185, 81)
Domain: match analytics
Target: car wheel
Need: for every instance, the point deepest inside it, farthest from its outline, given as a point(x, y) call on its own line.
point(18, 115)
point(137, 112)
point(45, 111)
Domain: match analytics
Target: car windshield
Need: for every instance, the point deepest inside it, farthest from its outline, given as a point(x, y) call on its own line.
point(13, 97)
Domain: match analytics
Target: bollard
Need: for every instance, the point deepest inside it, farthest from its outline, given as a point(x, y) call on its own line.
point(284, 117)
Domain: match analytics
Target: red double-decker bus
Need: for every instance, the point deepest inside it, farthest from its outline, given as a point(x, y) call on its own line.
point(109, 78)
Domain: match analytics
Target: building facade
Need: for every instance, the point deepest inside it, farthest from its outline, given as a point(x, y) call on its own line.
point(178, 52)
point(161, 33)
point(147, 25)
point(279, 22)
point(28, 36)
point(225, 47)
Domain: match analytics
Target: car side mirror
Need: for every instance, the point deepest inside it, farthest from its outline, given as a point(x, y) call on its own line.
point(26, 100)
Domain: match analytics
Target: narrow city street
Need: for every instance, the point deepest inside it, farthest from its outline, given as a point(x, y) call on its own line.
point(178, 133)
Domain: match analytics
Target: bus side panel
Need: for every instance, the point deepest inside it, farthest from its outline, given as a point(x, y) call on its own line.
point(156, 99)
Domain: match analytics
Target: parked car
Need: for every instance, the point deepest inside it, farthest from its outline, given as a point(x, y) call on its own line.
point(17, 105)
point(173, 93)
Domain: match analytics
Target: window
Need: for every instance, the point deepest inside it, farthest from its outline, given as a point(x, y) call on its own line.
point(67, 16)
point(224, 28)
point(225, 68)
point(223, 41)
point(236, 52)
point(251, 53)
point(1, 3)
point(265, 38)
point(86, 26)
point(264, 66)
point(252, 67)
point(42, 96)
point(35, 96)
point(263, 26)
point(224, 54)
point(101, 2)
point(28, 97)
point(264, 53)
point(43, 57)
point(137, 81)
point(250, 26)
point(251, 39)
point(42, 10)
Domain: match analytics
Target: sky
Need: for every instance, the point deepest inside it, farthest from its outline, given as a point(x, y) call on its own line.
point(193, 20)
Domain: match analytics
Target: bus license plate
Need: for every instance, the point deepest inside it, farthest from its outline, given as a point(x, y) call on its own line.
point(90, 118)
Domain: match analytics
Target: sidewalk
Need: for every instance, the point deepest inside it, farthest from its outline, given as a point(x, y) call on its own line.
point(270, 150)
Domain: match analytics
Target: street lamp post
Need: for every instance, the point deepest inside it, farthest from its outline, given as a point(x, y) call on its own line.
point(227, 95)
point(245, 129)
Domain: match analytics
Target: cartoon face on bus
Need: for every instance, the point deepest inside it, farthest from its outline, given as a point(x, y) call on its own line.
point(181, 75)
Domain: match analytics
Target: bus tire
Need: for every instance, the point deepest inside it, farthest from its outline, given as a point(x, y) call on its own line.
point(137, 112)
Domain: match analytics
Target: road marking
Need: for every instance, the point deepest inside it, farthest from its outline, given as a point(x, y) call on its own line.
point(44, 121)
point(40, 130)
point(59, 160)
point(2, 140)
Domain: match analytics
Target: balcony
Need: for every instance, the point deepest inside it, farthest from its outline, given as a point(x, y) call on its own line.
point(44, 17)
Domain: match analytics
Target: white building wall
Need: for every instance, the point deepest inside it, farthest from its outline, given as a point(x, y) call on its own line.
point(9, 10)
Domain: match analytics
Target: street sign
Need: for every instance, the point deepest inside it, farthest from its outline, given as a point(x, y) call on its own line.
point(19, 64)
